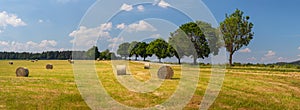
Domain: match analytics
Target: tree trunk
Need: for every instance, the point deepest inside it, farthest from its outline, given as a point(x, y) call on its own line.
point(230, 59)
point(144, 58)
point(136, 58)
point(179, 61)
point(159, 60)
point(195, 60)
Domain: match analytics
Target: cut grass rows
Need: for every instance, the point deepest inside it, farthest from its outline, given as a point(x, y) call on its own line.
point(243, 87)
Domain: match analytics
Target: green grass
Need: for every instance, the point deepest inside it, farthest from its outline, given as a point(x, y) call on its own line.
point(243, 87)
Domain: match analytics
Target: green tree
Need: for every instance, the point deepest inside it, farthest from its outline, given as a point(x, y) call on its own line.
point(199, 42)
point(237, 32)
point(93, 53)
point(105, 55)
point(141, 50)
point(123, 50)
point(172, 52)
point(133, 49)
point(159, 47)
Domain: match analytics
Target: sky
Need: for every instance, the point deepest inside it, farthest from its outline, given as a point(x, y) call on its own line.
point(46, 25)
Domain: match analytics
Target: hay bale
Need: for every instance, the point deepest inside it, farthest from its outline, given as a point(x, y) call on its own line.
point(36, 60)
point(10, 62)
point(121, 69)
point(98, 59)
point(71, 61)
point(32, 61)
point(49, 66)
point(165, 72)
point(22, 72)
point(147, 66)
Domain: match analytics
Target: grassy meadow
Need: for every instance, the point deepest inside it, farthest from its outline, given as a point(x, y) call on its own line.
point(246, 88)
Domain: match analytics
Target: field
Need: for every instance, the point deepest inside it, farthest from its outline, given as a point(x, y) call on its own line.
point(243, 88)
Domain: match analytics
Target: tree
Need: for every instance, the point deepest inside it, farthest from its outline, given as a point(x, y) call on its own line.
point(141, 50)
point(237, 32)
point(212, 35)
point(159, 47)
point(133, 50)
point(172, 52)
point(93, 53)
point(105, 55)
point(198, 40)
point(123, 50)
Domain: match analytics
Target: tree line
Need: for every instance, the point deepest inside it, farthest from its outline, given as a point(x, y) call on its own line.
point(194, 39)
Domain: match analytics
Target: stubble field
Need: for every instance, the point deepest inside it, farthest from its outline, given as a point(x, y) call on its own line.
point(248, 87)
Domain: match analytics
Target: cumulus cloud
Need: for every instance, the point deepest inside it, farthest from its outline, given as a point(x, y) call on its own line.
point(155, 35)
point(298, 48)
point(40, 21)
point(251, 59)
point(115, 42)
point(162, 3)
point(246, 50)
point(45, 45)
point(7, 19)
point(270, 54)
point(126, 7)
point(281, 59)
point(87, 37)
point(140, 8)
point(140, 26)
point(121, 26)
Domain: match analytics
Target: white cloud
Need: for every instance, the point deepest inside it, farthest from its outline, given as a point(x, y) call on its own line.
point(115, 42)
point(121, 26)
point(281, 59)
point(140, 8)
point(298, 48)
point(246, 50)
point(1, 31)
point(140, 26)
point(3, 43)
point(270, 54)
point(126, 7)
point(7, 19)
point(163, 4)
point(87, 37)
point(156, 36)
point(251, 59)
point(40, 21)
point(45, 45)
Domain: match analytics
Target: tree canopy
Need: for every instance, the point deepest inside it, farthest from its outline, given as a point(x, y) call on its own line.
point(237, 32)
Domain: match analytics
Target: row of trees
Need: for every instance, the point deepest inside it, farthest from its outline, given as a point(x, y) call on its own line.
point(43, 56)
point(60, 55)
point(196, 39)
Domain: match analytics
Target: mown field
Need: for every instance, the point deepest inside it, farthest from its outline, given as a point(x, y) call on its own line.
point(243, 88)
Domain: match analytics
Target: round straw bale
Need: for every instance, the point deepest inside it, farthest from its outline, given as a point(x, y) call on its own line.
point(165, 72)
point(121, 69)
point(32, 61)
point(10, 62)
point(22, 72)
point(71, 61)
point(147, 66)
point(98, 59)
point(49, 66)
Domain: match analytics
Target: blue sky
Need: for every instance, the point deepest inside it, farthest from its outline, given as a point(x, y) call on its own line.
point(42, 25)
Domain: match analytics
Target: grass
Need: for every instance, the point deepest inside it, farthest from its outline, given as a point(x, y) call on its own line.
point(243, 87)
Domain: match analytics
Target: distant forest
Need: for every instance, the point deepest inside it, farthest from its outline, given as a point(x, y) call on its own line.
point(51, 55)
